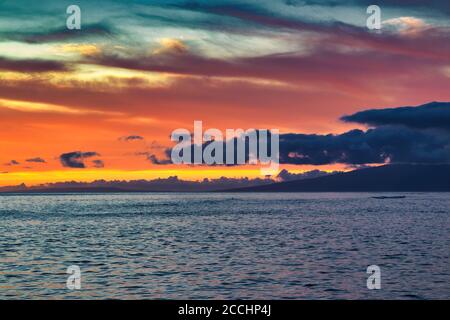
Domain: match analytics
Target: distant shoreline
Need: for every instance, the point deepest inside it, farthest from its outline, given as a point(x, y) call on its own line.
point(11, 193)
point(388, 178)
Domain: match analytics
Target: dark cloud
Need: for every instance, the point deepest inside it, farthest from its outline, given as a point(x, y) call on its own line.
point(131, 138)
point(402, 141)
point(394, 144)
point(32, 65)
point(235, 142)
point(154, 159)
point(401, 135)
point(431, 115)
point(12, 163)
point(98, 163)
point(37, 160)
point(76, 159)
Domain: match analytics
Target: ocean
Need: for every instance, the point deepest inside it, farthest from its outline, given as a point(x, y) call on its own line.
point(225, 245)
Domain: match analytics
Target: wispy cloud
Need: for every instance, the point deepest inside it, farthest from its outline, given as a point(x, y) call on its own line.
point(131, 138)
point(27, 106)
point(32, 66)
point(36, 160)
point(89, 31)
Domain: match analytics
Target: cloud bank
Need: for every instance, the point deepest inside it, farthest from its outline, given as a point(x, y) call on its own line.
point(400, 135)
point(434, 115)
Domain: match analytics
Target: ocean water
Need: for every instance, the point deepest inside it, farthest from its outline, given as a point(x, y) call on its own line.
point(225, 246)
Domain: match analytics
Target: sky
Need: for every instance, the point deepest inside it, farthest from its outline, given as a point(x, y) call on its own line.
point(101, 102)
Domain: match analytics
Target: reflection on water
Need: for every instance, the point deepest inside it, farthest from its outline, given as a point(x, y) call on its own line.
point(225, 246)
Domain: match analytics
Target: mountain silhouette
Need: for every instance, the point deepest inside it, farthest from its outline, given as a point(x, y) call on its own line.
point(396, 177)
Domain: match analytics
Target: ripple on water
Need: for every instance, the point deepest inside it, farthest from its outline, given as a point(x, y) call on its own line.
point(224, 246)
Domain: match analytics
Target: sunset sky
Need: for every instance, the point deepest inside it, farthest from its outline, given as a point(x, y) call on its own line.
point(109, 95)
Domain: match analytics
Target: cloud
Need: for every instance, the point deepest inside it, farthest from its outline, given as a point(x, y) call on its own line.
point(82, 49)
point(63, 34)
point(406, 24)
point(401, 135)
point(32, 66)
point(131, 138)
point(76, 159)
point(438, 5)
point(154, 159)
point(172, 183)
point(28, 106)
point(381, 56)
point(301, 76)
point(12, 163)
point(285, 175)
point(36, 160)
point(170, 45)
point(432, 115)
point(393, 144)
point(98, 163)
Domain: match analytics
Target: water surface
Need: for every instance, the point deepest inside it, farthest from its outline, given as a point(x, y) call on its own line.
point(225, 246)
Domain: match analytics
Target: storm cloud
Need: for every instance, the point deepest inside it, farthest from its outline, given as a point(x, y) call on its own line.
point(400, 135)
point(387, 144)
point(432, 115)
